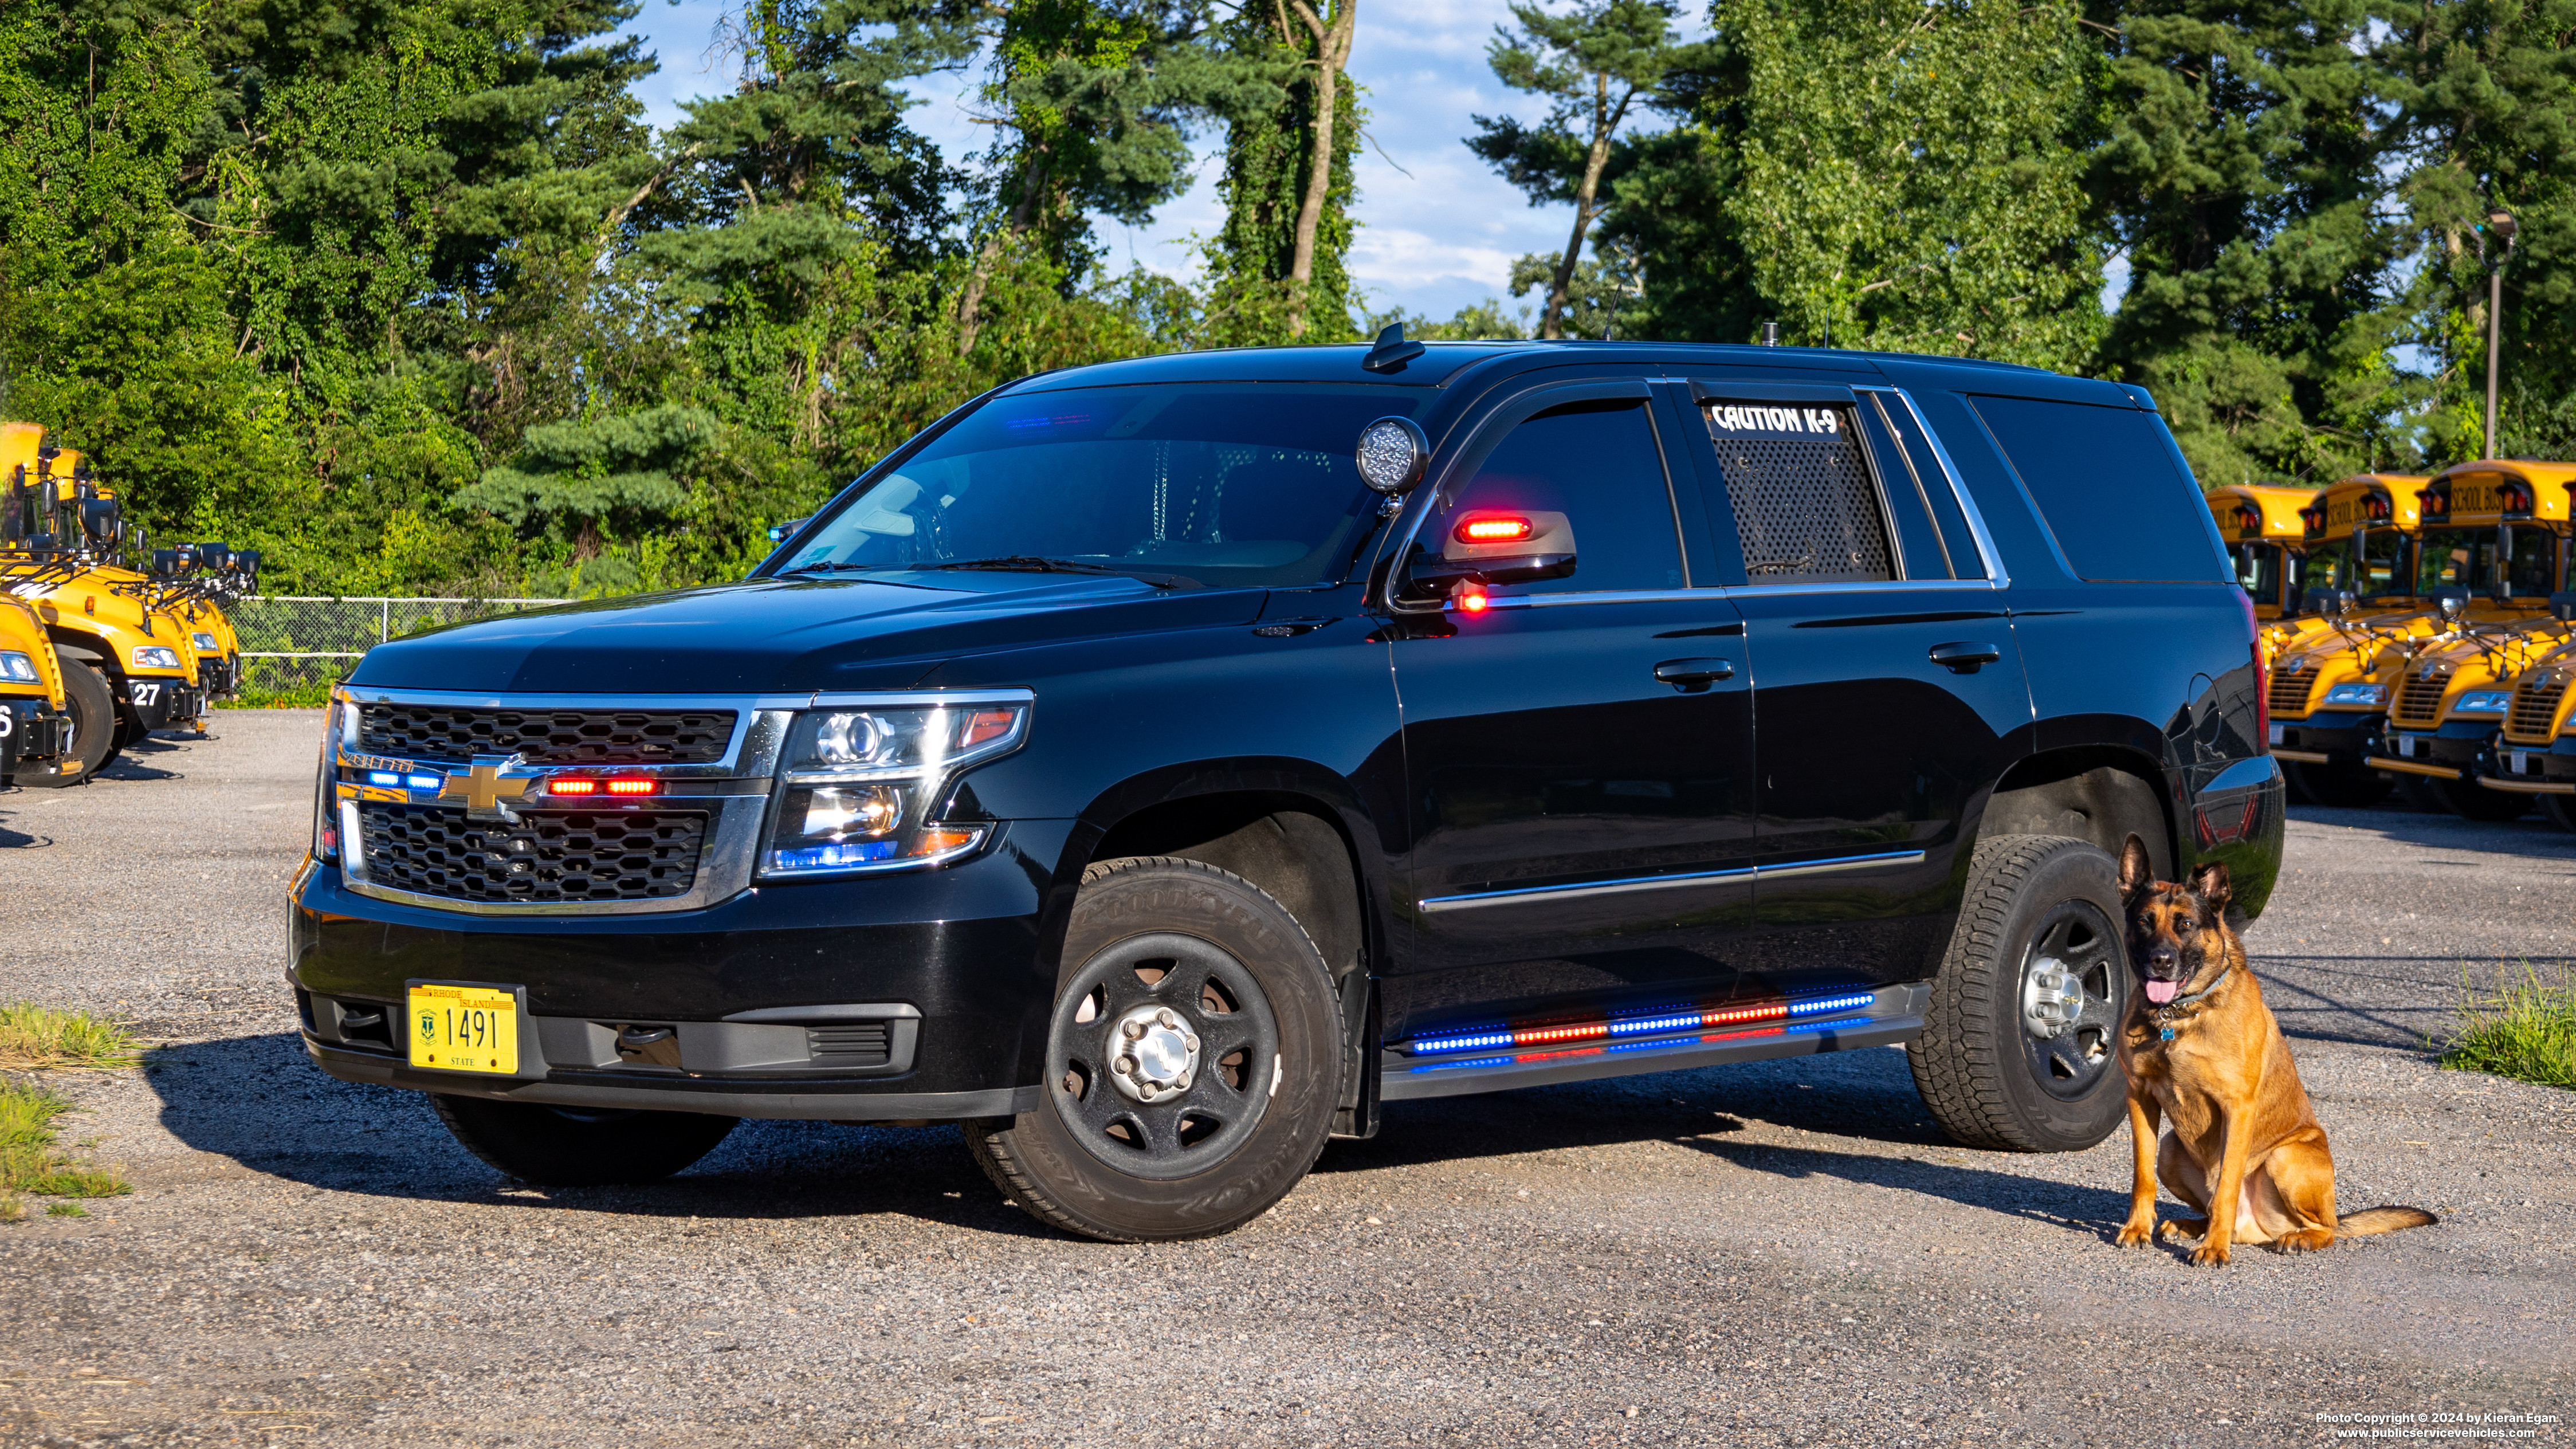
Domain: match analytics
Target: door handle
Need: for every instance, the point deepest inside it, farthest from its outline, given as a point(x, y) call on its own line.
point(1689, 675)
point(1965, 658)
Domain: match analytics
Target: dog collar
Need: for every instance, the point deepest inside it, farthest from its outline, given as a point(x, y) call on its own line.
point(2166, 1014)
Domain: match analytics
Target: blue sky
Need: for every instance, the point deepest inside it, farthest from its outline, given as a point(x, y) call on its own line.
point(1432, 242)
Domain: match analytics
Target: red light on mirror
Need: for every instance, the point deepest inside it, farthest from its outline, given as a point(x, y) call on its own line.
point(1495, 530)
point(1472, 598)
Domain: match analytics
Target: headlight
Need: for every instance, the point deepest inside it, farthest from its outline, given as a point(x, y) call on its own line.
point(2484, 701)
point(205, 642)
point(154, 656)
point(2357, 694)
point(857, 787)
point(17, 668)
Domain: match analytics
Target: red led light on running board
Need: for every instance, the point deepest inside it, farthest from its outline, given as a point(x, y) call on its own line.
point(1494, 530)
point(634, 787)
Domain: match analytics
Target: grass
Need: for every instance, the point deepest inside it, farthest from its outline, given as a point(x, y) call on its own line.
point(31, 1165)
point(293, 696)
point(36, 1038)
point(2525, 1031)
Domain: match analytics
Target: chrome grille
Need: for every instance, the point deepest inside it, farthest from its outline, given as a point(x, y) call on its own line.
point(2290, 691)
point(603, 855)
point(2419, 699)
point(2535, 709)
point(547, 736)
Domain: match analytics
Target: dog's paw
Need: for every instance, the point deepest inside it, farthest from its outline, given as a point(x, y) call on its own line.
point(2310, 1240)
point(2135, 1234)
point(2209, 1254)
point(2184, 1230)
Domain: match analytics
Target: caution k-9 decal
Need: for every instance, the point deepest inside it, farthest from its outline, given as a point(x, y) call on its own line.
point(1763, 420)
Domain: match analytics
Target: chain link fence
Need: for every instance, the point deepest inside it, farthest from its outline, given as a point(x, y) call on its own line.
point(293, 644)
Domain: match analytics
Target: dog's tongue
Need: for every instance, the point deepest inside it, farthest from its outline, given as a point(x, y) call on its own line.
point(2161, 992)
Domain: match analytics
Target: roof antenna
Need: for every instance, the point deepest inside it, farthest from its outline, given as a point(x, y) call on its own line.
point(1770, 334)
point(1391, 352)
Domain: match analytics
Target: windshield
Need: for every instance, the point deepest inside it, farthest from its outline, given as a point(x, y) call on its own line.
point(1223, 484)
point(2383, 572)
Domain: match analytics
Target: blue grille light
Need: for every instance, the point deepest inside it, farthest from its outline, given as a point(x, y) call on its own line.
point(424, 782)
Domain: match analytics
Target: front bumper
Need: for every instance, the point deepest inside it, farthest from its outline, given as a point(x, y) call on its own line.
point(159, 701)
point(953, 961)
point(2451, 752)
point(2329, 738)
point(31, 733)
point(2530, 769)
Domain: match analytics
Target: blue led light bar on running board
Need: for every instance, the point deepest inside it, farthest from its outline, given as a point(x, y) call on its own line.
point(1664, 1021)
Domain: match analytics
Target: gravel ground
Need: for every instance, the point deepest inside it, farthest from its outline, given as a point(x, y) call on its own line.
point(1782, 1253)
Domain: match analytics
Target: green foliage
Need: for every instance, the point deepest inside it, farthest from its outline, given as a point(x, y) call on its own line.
point(1268, 156)
point(29, 1161)
point(2526, 1030)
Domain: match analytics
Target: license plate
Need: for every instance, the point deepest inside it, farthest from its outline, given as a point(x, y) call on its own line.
point(2279, 733)
point(465, 1029)
point(2406, 747)
point(2522, 762)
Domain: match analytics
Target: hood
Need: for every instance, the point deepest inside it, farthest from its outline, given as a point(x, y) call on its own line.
point(787, 636)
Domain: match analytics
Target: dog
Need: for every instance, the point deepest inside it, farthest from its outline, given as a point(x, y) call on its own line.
point(2201, 1052)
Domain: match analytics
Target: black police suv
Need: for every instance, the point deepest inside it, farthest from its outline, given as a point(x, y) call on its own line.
point(1156, 767)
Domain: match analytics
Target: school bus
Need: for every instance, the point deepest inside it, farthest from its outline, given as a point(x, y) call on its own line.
point(2268, 541)
point(2334, 662)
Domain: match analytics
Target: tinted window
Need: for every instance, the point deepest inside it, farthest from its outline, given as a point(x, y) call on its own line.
point(1805, 510)
point(2455, 558)
point(2383, 572)
point(1597, 464)
point(2107, 488)
point(1241, 484)
point(1959, 544)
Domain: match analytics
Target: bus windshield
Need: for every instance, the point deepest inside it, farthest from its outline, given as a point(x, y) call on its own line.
point(2383, 567)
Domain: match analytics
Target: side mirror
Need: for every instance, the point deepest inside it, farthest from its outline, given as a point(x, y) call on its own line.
point(170, 563)
point(246, 563)
point(1497, 546)
point(2562, 607)
point(2451, 601)
point(98, 521)
point(781, 532)
point(211, 556)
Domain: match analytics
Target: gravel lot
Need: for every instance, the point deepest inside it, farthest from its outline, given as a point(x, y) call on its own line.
point(1782, 1253)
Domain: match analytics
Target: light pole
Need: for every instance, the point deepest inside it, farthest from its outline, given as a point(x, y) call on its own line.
point(2499, 224)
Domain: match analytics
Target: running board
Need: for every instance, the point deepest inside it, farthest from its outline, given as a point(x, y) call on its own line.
point(1892, 1015)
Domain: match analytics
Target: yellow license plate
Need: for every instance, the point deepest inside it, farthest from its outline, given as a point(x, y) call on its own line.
point(465, 1029)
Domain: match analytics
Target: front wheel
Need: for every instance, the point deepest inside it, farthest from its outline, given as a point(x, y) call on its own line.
point(1192, 1064)
point(2020, 1045)
point(94, 725)
point(2561, 810)
point(576, 1146)
point(2472, 801)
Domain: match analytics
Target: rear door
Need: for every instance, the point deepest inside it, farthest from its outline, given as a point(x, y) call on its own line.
point(1579, 752)
point(1888, 695)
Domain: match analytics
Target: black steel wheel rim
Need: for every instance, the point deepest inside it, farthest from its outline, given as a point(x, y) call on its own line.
point(1214, 996)
point(2087, 947)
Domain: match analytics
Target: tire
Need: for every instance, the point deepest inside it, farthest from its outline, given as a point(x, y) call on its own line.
point(2343, 787)
point(1244, 984)
point(2472, 801)
point(575, 1147)
point(94, 727)
point(1989, 1079)
point(2561, 810)
point(2416, 790)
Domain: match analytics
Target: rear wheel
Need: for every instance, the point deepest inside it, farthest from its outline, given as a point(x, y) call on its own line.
point(2472, 801)
point(578, 1146)
point(2345, 786)
point(2019, 1048)
point(1193, 1062)
point(93, 743)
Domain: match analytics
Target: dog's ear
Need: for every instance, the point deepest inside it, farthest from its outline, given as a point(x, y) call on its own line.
point(2136, 871)
point(2211, 884)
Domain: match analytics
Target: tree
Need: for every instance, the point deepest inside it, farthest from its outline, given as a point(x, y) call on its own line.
point(1926, 199)
point(2242, 171)
point(2486, 93)
point(1596, 65)
point(1272, 276)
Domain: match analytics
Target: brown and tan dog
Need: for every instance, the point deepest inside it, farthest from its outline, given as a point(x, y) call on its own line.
point(2200, 1050)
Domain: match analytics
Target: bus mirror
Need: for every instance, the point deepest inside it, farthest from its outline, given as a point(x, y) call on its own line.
point(2562, 607)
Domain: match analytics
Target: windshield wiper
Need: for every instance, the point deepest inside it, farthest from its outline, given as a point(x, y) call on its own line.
point(1031, 564)
point(832, 565)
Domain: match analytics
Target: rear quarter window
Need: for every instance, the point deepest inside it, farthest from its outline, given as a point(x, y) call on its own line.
point(2108, 490)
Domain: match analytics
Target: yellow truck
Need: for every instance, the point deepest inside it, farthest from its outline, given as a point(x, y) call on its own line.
point(2268, 541)
point(35, 721)
point(2333, 664)
point(2494, 555)
point(57, 554)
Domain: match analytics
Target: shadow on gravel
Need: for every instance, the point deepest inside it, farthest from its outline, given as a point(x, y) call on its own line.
point(260, 1102)
point(19, 839)
point(2098, 1210)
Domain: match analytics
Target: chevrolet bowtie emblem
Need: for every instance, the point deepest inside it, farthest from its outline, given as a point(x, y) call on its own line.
point(482, 786)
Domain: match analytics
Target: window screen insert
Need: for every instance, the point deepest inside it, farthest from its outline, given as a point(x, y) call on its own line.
point(1805, 509)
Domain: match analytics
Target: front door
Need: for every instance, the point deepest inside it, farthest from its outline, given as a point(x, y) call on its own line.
point(1578, 753)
